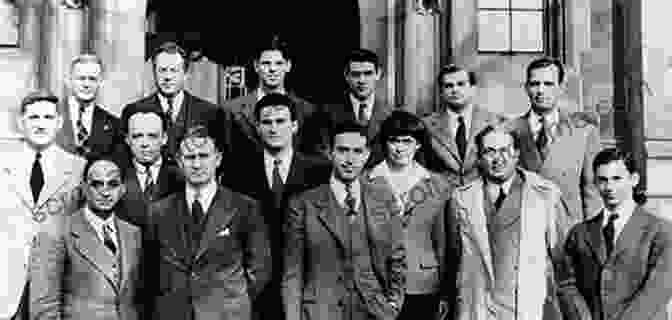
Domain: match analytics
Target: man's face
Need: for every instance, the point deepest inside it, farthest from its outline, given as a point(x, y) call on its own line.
point(104, 186)
point(272, 68)
point(349, 155)
point(169, 73)
point(145, 137)
point(499, 158)
point(85, 80)
point(199, 160)
point(544, 88)
point(276, 127)
point(456, 90)
point(615, 183)
point(40, 123)
point(401, 150)
point(361, 78)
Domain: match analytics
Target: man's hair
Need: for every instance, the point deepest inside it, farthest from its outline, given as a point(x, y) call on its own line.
point(275, 43)
point(171, 48)
point(453, 68)
point(275, 99)
point(362, 55)
point(37, 96)
point(197, 131)
point(348, 127)
point(103, 157)
point(480, 136)
point(544, 62)
point(87, 58)
point(612, 154)
point(143, 108)
point(403, 123)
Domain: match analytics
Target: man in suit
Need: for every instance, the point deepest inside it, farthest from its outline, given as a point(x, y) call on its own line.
point(38, 180)
point(453, 128)
point(345, 256)
point(272, 64)
point(511, 223)
point(359, 103)
point(558, 145)
point(86, 265)
point(88, 129)
point(148, 177)
point(277, 173)
point(619, 262)
point(182, 109)
point(210, 253)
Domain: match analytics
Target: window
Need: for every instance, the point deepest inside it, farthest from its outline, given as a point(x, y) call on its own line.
point(9, 24)
point(510, 26)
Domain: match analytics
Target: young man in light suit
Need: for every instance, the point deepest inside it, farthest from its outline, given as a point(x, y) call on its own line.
point(86, 265)
point(619, 262)
point(38, 180)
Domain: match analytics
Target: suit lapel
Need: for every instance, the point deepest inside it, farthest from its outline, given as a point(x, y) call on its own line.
point(631, 235)
point(378, 114)
point(66, 135)
point(87, 243)
point(58, 176)
point(476, 224)
point(479, 120)
point(595, 239)
point(220, 214)
point(128, 245)
point(174, 227)
point(563, 140)
point(245, 116)
point(440, 129)
point(328, 209)
point(162, 181)
point(529, 154)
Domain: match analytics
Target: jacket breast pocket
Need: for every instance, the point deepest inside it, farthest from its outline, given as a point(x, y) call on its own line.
point(428, 263)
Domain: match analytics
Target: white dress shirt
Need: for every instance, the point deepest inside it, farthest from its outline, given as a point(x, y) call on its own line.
point(98, 223)
point(141, 172)
point(369, 105)
point(207, 195)
point(624, 212)
point(338, 188)
point(493, 188)
point(453, 120)
point(551, 120)
point(285, 162)
point(177, 103)
point(87, 116)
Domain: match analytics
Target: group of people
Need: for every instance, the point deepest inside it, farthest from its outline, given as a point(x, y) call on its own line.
point(270, 207)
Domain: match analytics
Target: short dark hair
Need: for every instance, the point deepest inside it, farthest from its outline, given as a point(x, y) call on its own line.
point(197, 131)
point(480, 136)
point(275, 43)
point(171, 48)
point(348, 127)
point(362, 55)
point(87, 58)
point(453, 68)
point(403, 123)
point(544, 62)
point(143, 108)
point(275, 99)
point(612, 154)
point(104, 157)
point(37, 96)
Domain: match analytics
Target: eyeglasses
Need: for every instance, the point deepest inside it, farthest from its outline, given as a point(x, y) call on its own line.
point(490, 153)
point(401, 140)
point(100, 185)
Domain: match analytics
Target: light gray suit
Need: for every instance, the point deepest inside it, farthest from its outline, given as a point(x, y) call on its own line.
point(74, 276)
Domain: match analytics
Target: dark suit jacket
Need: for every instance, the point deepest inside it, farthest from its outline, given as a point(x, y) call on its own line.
point(216, 278)
point(342, 111)
point(105, 136)
point(634, 282)
point(135, 205)
point(315, 246)
point(246, 140)
point(569, 160)
point(194, 111)
point(73, 276)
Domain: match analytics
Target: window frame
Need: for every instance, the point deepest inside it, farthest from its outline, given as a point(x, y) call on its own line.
point(510, 10)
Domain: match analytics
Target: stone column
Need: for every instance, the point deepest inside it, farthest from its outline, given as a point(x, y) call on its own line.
point(118, 37)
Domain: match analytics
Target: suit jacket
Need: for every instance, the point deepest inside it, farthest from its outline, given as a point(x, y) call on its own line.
point(194, 111)
point(476, 276)
point(73, 275)
point(105, 136)
point(315, 245)
point(634, 282)
point(216, 278)
point(22, 217)
point(443, 156)
point(569, 160)
point(342, 111)
point(135, 205)
point(246, 140)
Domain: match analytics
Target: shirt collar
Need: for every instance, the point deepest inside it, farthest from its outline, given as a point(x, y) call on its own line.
point(207, 194)
point(98, 222)
point(466, 115)
point(261, 93)
point(370, 100)
point(493, 188)
point(338, 188)
point(624, 212)
point(552, 119)
point(153, 167)
point(285, 158)
point(46, 153)
point(74, 105)
point(177, 100)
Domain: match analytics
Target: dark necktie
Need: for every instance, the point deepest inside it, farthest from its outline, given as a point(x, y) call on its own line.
point(170, 110)
point(350, 200)
point(609, 232)
point(500, 198)
point(277, 186)
point(197, 215)
point(107, 239)
point(362, 116)
point(36, 177)
point(149, 182)
point(461, 136)
point(542, 138)
point(82, 132)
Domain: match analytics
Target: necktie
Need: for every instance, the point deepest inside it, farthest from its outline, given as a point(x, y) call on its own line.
point(36, 177)
point(82, 132)
point(461, 136)
point(609, 232)
point(350, 200)
point(149, 182)
point(277, 186)
point(197, 215)
point(362, 115)
point(170, 109)
point(542, 138)
point(500, 198)
point(107, 239)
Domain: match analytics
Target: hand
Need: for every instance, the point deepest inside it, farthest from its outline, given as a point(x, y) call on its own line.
point(443, 310)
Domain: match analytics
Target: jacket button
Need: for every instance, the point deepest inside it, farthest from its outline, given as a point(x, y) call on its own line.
point(340, 303)
point(194, 276)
